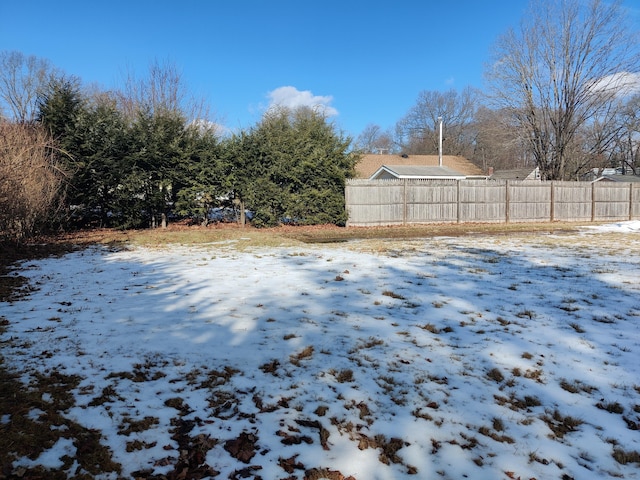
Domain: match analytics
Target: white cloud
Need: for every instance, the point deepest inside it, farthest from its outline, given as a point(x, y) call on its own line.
point(217, 129)
point(623, 83)
point(291, 97)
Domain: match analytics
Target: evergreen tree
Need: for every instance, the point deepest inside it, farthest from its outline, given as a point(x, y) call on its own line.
point(156, 165)
point(103, 144)
point(291, 167)
point(303, 163)
point(95, 141)
point(255, 171)
point(319, 165)
point(58, 106)
point(201, 182)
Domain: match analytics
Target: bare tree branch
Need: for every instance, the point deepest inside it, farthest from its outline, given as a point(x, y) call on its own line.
point(22, 79)
point(560, 72)
point(30, 179)
point(163, 89)
point(418, 131)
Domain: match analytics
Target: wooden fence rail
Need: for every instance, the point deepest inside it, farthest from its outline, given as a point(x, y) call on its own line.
point(403, 202)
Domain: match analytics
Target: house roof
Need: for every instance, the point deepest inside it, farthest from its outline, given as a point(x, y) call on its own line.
point(618, 178)
point(371, 163)
point(413, 171)
point(515, 174)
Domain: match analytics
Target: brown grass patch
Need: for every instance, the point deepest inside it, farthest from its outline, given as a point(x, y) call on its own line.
point(25, 436)
point(306, 352)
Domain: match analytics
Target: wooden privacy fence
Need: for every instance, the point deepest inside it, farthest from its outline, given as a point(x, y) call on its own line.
point(403, 202)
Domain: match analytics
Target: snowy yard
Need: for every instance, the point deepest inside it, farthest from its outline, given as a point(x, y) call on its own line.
point(486, 357)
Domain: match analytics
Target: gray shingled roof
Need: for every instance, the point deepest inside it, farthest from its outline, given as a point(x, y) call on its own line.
point(515, 174)
point(621, 178)
point(403, 171)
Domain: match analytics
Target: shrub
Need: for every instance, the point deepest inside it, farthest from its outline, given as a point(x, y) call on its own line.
point(30, 180)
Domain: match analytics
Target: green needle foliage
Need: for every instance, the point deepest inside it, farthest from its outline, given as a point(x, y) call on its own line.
point(291, 168)
point(133, 165)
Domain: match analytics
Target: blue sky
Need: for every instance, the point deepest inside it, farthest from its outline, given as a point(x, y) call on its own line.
point(365, 61)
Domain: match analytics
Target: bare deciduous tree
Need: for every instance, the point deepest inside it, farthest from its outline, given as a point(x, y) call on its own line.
point(498, 142)
point(162, 90)
point(418, 131)
point(22, 79)
point(594, 145)
point(374, 140)
point(567, 64)
point(627, 143)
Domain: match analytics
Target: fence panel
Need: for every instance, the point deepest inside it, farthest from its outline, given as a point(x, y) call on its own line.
point(429, 202)
point(482, 200)
point(572, 201)
point(392, 202)
point(612, 201)
point(376, 203)
point(529, 201)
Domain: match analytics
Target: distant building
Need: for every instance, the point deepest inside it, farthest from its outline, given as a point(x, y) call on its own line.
point(610, 175)
point(371, 164)
point(618, 178)
point(392, 172)
point(516, 174)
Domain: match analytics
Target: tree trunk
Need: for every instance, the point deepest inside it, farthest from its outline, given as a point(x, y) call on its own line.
point(243, 216)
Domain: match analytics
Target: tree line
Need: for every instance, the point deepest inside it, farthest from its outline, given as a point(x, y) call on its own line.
point(562, 95)
point(139, 156)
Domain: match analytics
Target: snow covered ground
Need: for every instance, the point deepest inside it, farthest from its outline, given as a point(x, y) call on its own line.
point(474, 357)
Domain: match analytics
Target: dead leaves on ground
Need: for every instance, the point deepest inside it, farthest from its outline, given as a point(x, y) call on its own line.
point(242, 448)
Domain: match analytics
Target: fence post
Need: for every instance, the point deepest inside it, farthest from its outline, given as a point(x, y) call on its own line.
point(404, 202)
point(553, 204)
point(631, 197)
point(507, 202)
point(593, 202)
point(458, 201)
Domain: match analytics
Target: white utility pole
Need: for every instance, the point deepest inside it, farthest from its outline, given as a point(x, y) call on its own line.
point(440, 142)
